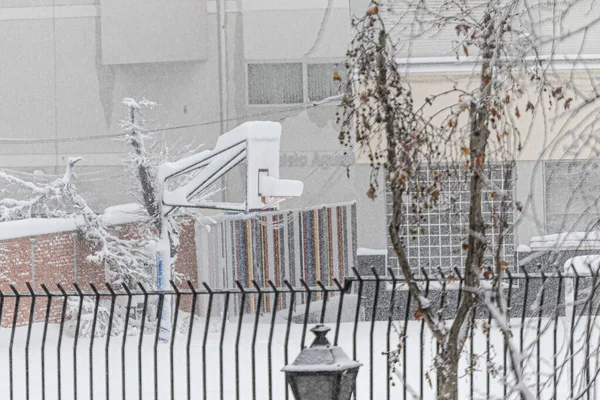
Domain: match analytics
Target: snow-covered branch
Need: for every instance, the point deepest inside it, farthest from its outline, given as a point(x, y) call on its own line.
point(127, 260)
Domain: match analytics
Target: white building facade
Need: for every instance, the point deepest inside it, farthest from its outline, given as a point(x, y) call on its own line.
point(210, 65)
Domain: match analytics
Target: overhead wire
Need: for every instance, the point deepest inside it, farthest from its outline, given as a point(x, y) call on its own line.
point(17, 141)
point(326, 188)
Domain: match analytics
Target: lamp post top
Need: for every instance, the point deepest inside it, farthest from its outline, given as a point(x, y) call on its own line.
point(321, 356)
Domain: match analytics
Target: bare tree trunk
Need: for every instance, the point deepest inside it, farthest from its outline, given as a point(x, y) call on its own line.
point(448, 375)
point(478, 137)
point(149, 189)
point(146, 180)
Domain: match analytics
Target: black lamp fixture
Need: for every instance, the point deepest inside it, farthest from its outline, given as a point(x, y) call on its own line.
point(322, 371)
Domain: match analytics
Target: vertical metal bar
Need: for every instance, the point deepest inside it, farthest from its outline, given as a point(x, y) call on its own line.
point(460, 289)
point(223, 324)
point(254, 332)
point(440, 313)
point(373, 316)
point(472, 354)
point(44, 335)
point(538, 338)
point(388, 333)
point(589, 331)
point(60, 335)
point(141, 339)
point(404, 344)
point(189, 342)
point(287, 329)
point(325, 298)
point(173, 335)
point(504, 342)
point(159, 310)
point(123, 343)
point(422, 340)
point(523, 312)
point(270, 342)
point(571, 339)
point(204, 340)
point(460, 286)
point(113, 298)
point(596, 312)
point(12, 339)
point(237, 338)
point(76, 340)
point(31, 320)
point(92, 337)
point(555, 333)
point(340, 309)
point(488, 357)
point(306, 311)
point(357, 313)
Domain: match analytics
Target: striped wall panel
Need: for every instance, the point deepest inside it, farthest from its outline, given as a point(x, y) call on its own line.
point(316, 244)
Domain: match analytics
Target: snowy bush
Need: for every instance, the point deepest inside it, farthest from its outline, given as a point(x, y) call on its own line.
point(86, 322)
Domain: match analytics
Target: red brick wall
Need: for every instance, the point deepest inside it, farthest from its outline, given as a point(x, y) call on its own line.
point(186, 261)
point(56, 258)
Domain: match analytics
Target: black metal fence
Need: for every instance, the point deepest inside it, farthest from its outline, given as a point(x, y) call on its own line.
point(232, 343)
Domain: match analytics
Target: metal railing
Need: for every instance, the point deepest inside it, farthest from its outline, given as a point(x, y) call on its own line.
point(232, 343)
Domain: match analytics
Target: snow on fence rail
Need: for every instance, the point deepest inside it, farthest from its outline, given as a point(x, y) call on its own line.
point(217, 352)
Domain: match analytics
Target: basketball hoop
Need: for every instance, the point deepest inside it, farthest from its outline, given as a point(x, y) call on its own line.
point(273, 191)
point(272, 201)
point(255, 142)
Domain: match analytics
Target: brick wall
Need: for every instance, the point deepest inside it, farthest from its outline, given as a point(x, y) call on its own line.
point(187, 264)
point(61, 258)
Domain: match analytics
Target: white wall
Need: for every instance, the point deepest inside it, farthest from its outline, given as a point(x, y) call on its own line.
point(288, 29)
point(148, 31)
point(55, 86)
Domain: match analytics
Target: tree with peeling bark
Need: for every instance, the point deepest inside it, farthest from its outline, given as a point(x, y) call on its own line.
point(456, 134)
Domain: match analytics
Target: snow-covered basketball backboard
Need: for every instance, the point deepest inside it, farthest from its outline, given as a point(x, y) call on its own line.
point(255, 142)
point(264, 189)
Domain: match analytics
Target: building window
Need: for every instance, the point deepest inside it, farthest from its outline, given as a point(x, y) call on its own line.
point(435, 242)
point(572, 195)
point(320, 81)
point(291, 83)
point(275, 83)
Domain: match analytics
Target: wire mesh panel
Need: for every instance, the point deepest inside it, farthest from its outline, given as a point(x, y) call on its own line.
point(320, 81)
point(434, 239)
point(275, 83)
point(571, 190)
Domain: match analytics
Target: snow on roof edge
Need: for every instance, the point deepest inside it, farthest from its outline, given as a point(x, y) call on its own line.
point(37, 227)
point(363, 251)
point(124, 214)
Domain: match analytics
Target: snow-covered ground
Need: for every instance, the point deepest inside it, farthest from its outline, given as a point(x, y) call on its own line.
point(378, 367)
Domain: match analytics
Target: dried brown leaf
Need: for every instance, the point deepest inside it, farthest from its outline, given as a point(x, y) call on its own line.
point(373, 10)
point(568, 102)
